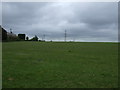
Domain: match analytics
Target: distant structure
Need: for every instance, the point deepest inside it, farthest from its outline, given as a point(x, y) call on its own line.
point(65, 35)
point(10, 36)
point(0, 34)
point(43, 38)
point(21, 36)
point(3, 34)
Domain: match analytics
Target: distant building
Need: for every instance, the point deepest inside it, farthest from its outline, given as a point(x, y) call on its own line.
point(10, 36)
point(21, 36)
point(3, 34)
point(0, 34)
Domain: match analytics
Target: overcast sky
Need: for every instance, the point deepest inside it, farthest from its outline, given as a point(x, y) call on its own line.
point(83, 21)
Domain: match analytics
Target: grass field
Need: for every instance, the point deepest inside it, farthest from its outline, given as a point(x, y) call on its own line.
point(60, 65)
point(0, 65)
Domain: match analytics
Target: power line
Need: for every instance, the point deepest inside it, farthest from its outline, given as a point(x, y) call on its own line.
point(44, 36)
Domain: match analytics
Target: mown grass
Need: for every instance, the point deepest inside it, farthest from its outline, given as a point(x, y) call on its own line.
point(0, 65)
point(60, 65)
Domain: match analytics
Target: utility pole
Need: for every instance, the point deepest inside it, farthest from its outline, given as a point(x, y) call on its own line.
point(65, 35)
point(44, 37)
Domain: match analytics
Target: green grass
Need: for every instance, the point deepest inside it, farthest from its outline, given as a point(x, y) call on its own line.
point(0, 65)
point(60, 65)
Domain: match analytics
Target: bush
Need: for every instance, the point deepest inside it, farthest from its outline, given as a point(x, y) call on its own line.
point(35, 38)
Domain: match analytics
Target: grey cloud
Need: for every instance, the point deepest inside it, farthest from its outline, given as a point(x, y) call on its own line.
point(83, 21)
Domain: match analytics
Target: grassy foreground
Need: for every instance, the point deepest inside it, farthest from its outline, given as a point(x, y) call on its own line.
point(60, 65)
point(0, 65)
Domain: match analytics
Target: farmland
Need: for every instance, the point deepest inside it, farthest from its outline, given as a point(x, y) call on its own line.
point(60, 65)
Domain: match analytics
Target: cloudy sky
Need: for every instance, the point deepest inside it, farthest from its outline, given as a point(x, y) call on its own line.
point(83, 21)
